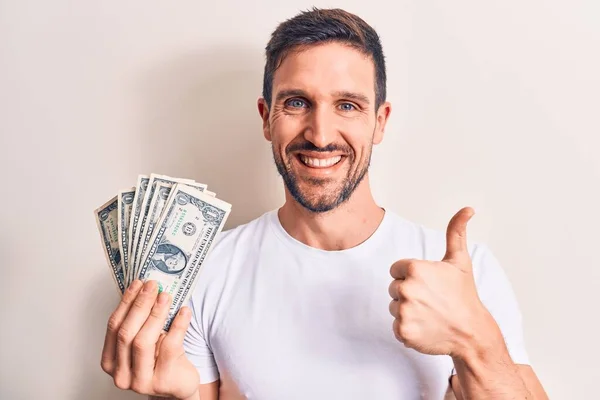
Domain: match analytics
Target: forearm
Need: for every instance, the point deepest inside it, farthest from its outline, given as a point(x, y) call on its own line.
point(486, 371)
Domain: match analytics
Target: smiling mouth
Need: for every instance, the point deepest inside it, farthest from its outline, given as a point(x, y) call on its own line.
point(314, 162)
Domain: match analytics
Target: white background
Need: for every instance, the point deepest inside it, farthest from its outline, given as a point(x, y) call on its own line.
point(495, 105)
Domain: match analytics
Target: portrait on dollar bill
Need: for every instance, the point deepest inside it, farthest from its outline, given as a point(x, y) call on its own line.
point(169, 259)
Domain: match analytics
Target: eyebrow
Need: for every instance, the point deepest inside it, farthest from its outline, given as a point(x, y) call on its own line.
point(352, 96)
point(301, 93)
point(290, 93)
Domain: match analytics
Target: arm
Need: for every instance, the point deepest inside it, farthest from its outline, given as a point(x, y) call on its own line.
point(487, 371)
point(527, 375)
point(439, 309)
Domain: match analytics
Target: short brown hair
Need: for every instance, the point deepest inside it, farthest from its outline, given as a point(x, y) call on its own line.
point(321, 26)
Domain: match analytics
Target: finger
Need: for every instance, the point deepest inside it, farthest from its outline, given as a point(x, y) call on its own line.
point(158, 343)
point(137, 315)
point(114, 323)
point(402, 269)
point(396, 289)
point(456, 235)
point(145, 342)
point(172, 345)
point(394, 309)
point(393, 290)
point(396, 329)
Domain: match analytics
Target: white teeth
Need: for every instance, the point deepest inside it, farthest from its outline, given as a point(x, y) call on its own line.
point(320, 162)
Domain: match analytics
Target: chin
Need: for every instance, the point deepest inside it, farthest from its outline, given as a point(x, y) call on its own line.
point(318, 200)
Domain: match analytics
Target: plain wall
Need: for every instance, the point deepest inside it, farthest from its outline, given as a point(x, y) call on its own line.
point(495, 105)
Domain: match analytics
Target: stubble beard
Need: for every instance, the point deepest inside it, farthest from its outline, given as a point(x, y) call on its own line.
point(321, 202)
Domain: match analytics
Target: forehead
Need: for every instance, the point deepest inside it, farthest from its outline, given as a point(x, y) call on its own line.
point(326, 68)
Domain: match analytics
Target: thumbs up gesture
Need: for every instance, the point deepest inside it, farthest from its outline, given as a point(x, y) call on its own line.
point(435, 303)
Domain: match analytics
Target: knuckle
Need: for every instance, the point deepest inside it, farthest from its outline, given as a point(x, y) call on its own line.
point(404, 329)
point(161, 387)
point(178, 327)
point(393, 308)
point(403, 310)
point(140, 344)
point(412, 268)
point(396, 329)
point(139, 386)
point(139, 302)
point(121, 381)
point(113, 323)
point(405, 291)
point(107, 366)
point(158, 312)
point(393, 269)
point(128, 297)
point(124, 336)
point(407, 332)
point(393, 289)
point(179, 324)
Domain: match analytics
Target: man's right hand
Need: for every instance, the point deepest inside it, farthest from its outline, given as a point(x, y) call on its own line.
point(139, 355)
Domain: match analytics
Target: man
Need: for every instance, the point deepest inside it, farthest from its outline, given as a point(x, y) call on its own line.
point(296, 304)
point(169, 258)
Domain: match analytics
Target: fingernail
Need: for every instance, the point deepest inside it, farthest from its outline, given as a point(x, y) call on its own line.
point(135, 285)
point(150, 286)
point(163, 298)
point(185, 312)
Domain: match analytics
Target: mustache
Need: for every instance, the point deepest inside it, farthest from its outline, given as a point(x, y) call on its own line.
point(308, 146)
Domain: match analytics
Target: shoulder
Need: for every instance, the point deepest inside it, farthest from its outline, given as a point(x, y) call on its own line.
point(241, 236)
point(226, 260)
point(230, 248)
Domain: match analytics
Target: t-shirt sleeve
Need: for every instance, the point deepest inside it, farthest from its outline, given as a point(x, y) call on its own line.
point(496, 293)
point(197, 349)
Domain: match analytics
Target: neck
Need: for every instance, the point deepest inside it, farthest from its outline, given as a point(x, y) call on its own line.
point(344, 227)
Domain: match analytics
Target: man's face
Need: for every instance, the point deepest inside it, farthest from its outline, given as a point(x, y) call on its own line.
point(174, 262)
point(322, 123)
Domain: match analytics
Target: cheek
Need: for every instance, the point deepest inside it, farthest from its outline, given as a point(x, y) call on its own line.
point(286, 132)
point(358, 134)
point(361, 148)
point(282, 122)
point(284, 129)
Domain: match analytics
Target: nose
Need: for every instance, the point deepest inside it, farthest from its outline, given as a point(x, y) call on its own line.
point(321, 129)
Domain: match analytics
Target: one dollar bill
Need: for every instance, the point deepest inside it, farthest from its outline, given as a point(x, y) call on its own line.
point(155, 179)
point(140, 192)
point(157, 206)
point(107, 221)
point(181, 241)
point(124, 207)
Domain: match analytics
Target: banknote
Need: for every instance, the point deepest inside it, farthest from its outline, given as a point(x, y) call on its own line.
point(145, 209)
point(181, 241)
point(157, 205)
point(124, 206)
point(140, 192)
point(107, 221)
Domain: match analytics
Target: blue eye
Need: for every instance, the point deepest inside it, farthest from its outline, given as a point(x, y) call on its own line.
point(296, 103)
point(347, 106)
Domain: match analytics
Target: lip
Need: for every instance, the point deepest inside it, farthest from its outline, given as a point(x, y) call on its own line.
point(319, 172)
point(319, 155)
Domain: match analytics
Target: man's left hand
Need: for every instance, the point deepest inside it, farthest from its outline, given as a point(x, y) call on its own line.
point(435, 303)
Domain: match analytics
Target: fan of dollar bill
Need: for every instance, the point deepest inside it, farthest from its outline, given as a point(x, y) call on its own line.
point(162, 229)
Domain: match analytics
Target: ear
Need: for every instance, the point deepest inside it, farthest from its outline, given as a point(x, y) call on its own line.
point(383, 113)
point(263, 110)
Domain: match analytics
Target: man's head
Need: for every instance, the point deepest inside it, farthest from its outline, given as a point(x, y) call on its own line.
point(323, 104)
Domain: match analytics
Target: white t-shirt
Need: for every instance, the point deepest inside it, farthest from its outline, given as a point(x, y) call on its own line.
point(276, 319)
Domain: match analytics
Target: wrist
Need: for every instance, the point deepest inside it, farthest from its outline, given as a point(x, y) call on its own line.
point(483, 341)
